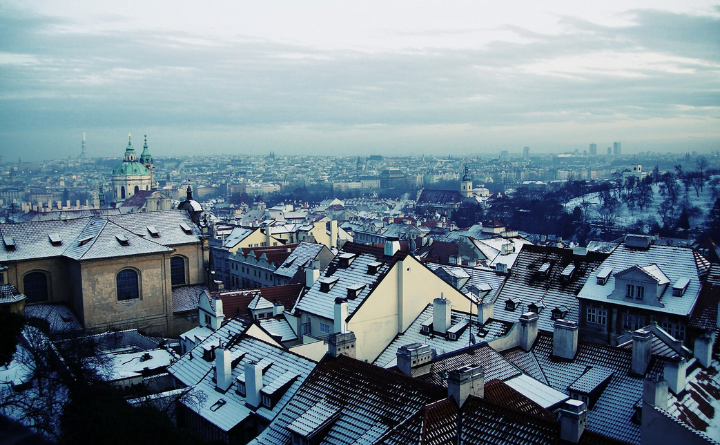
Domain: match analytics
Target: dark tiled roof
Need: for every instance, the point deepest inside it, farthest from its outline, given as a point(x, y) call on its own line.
point(435, 423)
point(498, 392)
point(439, 197)
point(494, 365)
point(439, 251)
point(185, 298)
point(387, 398)
point(706, 309)
point(236, 302)
point(138, 199)
point(275, 254)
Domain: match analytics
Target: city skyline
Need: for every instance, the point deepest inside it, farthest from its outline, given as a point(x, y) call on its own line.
point(323, 78)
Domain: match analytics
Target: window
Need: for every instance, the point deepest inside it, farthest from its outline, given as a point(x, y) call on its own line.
point(35, 287)
point(208, 320)
point(324, 328)
point(630, 291)
point(122, 192)
point(640, 293)
point(128, 287)
point(241, 388)
point(177, 270)
point(675, 329)
point(633, 322)
point(596, 315)
point(266, 401)
point(136, 189)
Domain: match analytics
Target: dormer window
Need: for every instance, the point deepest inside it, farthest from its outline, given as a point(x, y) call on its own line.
point(55, 239)
point(544, 270)
point(680, 286)
point(346, 259)
point(634, 291)
point(185, 228)
point(9, 243)
point(123, 240)
point(354, 291)
point(327, 283)
point(568, 272)
point(374, 267)
point(603, 275)
point(536, 307)
point(559, 313)
point(512, 304)
point(427, 326)
point(153, 232)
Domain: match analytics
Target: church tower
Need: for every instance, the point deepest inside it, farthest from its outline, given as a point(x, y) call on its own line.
point(466, 189)
point(146, 160)
point(131, 176)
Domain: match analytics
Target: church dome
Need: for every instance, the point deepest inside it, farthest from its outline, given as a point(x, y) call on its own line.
point(131, 168)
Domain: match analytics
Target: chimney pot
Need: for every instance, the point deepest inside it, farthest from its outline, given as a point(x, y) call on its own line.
point(465, 381)
point(528, 330)
point(565, 339)
point(573, 418)
point(441, 315)
point(641, 351)
point(223, 369)
point(253, 384)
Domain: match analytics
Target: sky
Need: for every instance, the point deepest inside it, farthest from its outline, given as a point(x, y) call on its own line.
point(459, 78)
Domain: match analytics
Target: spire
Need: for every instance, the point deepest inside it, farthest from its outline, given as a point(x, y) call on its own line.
point(129, 139)
point(189, 193)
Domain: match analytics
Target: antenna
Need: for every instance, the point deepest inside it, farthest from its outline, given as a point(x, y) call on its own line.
point(82, 152)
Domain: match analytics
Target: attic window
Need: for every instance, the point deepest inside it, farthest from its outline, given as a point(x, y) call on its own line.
point(274, 391)
point(456, 331)
point(327, 283)
point(427, 325)
point(536, 307)
point(354, 290)
point(289, 262)
point(84, 241)
point(240, 387)
point(153, 232)
point(603, 275)
point(9, 243)
point(568, 272)
point(185, 228)
point(559, 313)
point(217, 405)
point(544, 270)
point(512, 304)
point(680, 286)
point(55, 239)
point(346, 259)
point(374, 267)
point(122, 239)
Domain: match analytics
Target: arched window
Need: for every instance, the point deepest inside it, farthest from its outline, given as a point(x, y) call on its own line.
point(35, 287)
point(177, 270)
point(128, 285)
point(137, 189)
point(122, 192)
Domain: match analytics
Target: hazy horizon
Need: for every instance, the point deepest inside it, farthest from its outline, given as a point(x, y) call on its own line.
point(328, 78)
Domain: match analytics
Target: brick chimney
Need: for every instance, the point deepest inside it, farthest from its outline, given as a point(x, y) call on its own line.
point(441, 315)
point(573, 418)
point(253, 384)
point(342, 344)
point(641, 351)
point(528, 330)
point(414, 359)
point(565, 339)
point(465, 381)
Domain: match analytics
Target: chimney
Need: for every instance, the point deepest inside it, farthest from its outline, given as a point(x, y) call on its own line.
point(717, 324)
point(341, 314)
point(655, 393)
point(485, 311)
point(219, 285)
point(311, 275)
point(223, 369)
point(675, 373)
point(342, 344)
point(333, 234)
point(528, 330)
point(441, 315)
point(278, 308)
point(703, 348)
point(641, 351)
point(414, 359)
point(219, 314)
point(465, 381)
point(268, 238)
point(253, 384)
point(573, 417)
point(565, 339)
point(392, 245)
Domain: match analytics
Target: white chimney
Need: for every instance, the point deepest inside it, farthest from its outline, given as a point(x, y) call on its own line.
point(441, 315)
point(341, 314)
point(342, 344)
point(253, 384)
point(311, 275)
point(674, 373)
point(565, 339)
point(703, 348)
point(392, 245)
point(573, 418)
point(465, 381)
point(223, 369)
point(278, 308)
point(655, 393)
point(528, 330)
point(486, 311)
point(217, 320)
point(641, 351)
point(333, 234)
point(414, 359)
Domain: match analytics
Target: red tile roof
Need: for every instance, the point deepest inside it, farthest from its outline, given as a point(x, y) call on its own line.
point(235, 303)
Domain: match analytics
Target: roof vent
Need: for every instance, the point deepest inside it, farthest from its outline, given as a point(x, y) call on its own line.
point(374, 267)
point(185, 228)
point(122, 239)
point(153, 232)
point(327, 283)
point(55, 239)
point(83, 241)
point(346, 259)
point(354, 290)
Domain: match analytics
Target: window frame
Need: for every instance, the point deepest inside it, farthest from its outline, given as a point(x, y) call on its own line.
point(46, 276)
point(138, 289)
point(173, 269)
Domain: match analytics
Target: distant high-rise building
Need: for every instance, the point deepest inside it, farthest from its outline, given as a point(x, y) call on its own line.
point(82, 152)
point(609, 151)
point(617, 151)
point(593, 149)
point(526, 153)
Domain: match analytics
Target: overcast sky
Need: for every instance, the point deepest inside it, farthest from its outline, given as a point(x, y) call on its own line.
point(360, 78)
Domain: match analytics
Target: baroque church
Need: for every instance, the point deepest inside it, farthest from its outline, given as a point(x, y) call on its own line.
point(134, 174)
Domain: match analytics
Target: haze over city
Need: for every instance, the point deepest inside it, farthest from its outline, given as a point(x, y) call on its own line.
point(325, 78)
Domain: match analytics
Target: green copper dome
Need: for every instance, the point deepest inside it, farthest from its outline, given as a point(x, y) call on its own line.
point(146, 157)
point(131, 169)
